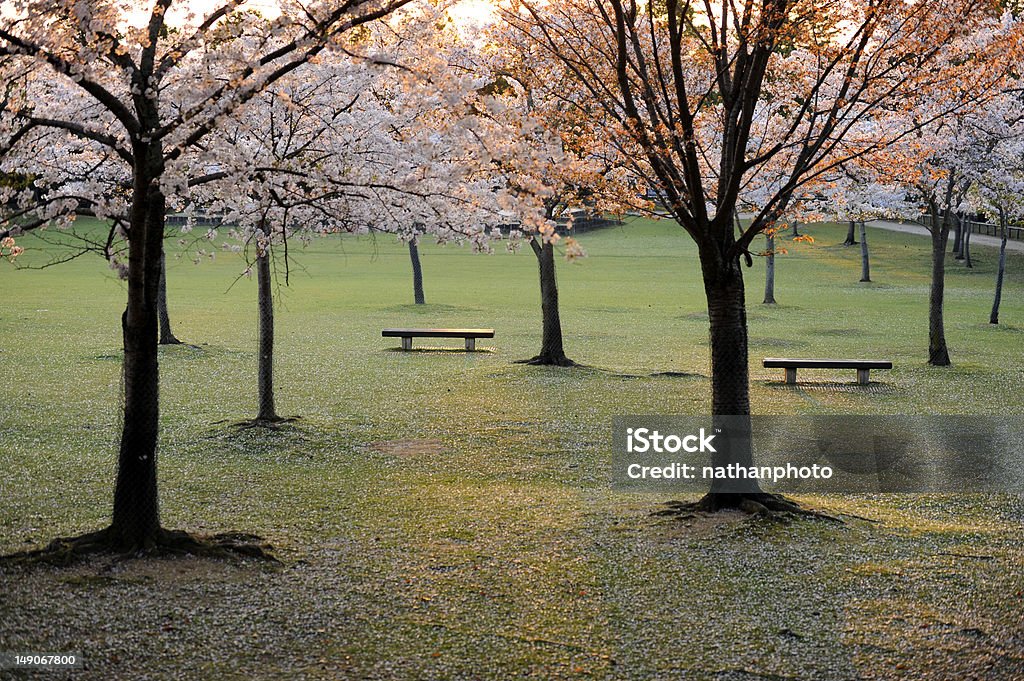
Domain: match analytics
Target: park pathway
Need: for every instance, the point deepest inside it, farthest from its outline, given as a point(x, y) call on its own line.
point(976, 239)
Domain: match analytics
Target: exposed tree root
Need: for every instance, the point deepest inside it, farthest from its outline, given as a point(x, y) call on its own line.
point(273, 422)
point(170, 340)
point(548, 360)
point(67, 550)
point(755, 503)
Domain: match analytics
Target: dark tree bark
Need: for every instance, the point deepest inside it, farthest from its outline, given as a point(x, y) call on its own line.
point(865, 262)
point(167, 336)
point(730, 386)
point(267, 412)
point(851, 235)
point(136, 517)
point(552, 351)
point(938, 353)
point(769, 271)
point(958, 239)
point(994, 316)
point(796, 228)
point(417, 273)
point(727, 313)
point(968, 229)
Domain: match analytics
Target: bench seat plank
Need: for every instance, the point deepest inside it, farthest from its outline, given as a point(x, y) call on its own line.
point(785, 363)
point(438, 333)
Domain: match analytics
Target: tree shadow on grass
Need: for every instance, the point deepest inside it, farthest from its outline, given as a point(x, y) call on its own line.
point(872, 388)
point(442, 351)
point(282, 431)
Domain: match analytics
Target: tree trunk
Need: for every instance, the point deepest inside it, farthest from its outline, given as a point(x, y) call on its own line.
point(994, 316)
point(730, 377)
point(769, 272)
point(865, 262)
point(136, 517)
point(417, 273)
point(958, 240)
point(166, 335)
point(551, 351)
point(730, 390)
point(851, 236)
point(796, 228)
point(938, 353)
point(266, 338)
point(968, 229)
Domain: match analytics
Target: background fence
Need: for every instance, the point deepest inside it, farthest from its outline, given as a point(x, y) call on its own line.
point(976, 227)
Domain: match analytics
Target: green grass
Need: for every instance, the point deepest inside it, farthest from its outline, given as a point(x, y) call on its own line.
point(449, 515)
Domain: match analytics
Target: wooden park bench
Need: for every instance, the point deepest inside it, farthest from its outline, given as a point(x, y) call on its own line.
point(863, 366)
point(408, 334)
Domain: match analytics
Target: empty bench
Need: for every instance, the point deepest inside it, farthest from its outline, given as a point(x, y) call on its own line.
point(863, 366)
point(408, 334)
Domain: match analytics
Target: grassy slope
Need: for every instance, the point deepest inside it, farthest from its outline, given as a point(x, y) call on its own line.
point(444, 514)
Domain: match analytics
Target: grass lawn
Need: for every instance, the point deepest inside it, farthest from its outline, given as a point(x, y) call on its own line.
point(449, 515)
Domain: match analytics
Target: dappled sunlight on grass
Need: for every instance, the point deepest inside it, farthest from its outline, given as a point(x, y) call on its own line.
point(449, 514)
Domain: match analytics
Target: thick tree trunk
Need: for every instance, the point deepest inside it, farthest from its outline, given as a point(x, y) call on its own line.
point(938, 353)
point(552, 351)
point(266, 339)
point(417, 273)
point(730, 378)
point(769, 272)
point(166, 335)
point(865, 262)
point(994, 316)
point(851, 235)
point(136, 517)
point(968, 229)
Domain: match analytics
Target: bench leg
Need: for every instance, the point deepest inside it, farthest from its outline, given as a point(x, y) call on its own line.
point(791, 375)
point(862, 376)
point(470, 344)
point(406, 343)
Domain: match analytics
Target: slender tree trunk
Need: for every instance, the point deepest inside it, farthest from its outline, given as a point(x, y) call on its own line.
point(552, 351)
point(994, 316)
point(417, 273)
point(769, 272)
point(166, 335)
point(796, 228)
point(136, 517)
point(958, 239)
point(266, 338)
point(938, 353)
point(851, 235)
point(968, 229)
point(865, 262)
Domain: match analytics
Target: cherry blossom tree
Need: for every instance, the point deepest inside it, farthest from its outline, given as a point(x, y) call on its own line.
point(364, 141)
point(939, 164)
point(139, 92)
point(996, 165)
point(701, 95)
point(568, 159)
